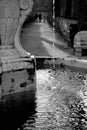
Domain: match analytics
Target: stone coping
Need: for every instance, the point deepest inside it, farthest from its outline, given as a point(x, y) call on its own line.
point(7, 67)
point(16, 60)
point(16, 64)
point(76, 62)
point(71, 62)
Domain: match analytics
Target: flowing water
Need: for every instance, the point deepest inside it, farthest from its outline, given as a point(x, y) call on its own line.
point(55, 104)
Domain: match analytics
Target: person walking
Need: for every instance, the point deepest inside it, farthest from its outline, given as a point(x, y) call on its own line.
point(44, 19)
point(40, 17)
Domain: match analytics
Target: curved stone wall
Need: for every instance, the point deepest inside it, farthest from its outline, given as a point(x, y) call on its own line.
point(13, 13)
point(25, 8)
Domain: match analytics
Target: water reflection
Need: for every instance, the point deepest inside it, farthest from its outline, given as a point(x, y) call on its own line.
point(15, 109)
point(55, 105)
point(58, 102)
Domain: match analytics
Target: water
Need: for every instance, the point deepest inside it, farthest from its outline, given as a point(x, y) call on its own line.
point(55, 104)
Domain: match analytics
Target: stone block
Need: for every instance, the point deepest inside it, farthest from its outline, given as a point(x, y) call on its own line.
point(16, 81)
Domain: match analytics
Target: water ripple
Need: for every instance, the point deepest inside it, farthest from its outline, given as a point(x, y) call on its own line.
point(58, 100)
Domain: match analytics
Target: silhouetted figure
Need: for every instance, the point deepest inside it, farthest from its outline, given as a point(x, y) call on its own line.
point(44, 19)
point(40, 17)
point(36, 16)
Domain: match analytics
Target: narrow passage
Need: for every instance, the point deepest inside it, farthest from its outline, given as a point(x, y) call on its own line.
point(37, 38)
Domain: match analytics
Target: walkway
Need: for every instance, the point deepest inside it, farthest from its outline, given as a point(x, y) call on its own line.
point(37, 38)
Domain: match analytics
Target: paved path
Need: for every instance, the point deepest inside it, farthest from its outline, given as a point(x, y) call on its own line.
point(38, 39)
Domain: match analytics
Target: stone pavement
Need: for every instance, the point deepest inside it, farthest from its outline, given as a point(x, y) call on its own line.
point(42, 41)
point(38, 39)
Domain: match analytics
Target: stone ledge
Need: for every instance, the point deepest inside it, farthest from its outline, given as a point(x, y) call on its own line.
point(11, 59)
point(72, 62)
point(16, 66)
point(16, 60)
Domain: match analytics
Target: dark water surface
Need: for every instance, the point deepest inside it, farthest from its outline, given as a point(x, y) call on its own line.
point(55, 104)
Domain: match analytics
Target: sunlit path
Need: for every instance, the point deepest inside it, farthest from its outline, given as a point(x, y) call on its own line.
point(37, 38)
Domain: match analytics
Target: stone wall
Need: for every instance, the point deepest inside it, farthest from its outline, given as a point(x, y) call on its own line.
point(15, 62)
point(17, 81)
point(62, 26)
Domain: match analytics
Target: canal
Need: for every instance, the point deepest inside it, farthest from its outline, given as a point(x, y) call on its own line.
point(55, 103)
